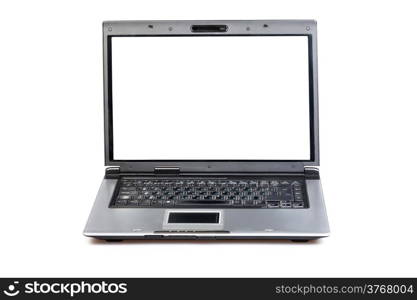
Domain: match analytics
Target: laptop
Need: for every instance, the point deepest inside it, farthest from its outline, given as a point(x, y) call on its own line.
point(211, 132)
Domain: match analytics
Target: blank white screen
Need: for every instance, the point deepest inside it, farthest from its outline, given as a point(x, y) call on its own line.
point(235, 98)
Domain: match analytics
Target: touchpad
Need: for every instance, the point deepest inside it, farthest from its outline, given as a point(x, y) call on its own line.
point(194, 217)
point(193, 220)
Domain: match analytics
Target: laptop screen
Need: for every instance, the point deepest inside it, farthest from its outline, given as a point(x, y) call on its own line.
point(210, 98)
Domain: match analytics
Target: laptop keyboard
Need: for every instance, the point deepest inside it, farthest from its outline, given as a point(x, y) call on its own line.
point(275, 193)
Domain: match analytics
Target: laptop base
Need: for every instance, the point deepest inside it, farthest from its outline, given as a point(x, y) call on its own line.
point(187, 238)
point(108, 223)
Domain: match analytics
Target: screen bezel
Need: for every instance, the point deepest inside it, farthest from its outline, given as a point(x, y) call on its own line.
point(235, 28)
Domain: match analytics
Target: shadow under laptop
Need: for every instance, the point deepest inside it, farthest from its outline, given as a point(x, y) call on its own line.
point(206, 242)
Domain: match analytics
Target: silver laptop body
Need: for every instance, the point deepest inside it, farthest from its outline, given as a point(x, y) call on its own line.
point(217, 222)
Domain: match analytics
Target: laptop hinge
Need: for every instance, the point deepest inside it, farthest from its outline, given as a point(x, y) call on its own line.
point(311, 173)
point(112, 173)
point(166, 171)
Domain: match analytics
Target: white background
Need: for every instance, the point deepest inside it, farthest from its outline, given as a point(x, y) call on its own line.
point(52, 142)
point(210, 98)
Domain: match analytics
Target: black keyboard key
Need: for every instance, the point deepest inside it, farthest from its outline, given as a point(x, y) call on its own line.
point(202, 202)
point(145, 203)
point(132, 202)
point(121, 202)
point(286, 204)
point(298, 204)
point(273, 203)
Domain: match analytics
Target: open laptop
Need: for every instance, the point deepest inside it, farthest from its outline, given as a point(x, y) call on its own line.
point(211, 132)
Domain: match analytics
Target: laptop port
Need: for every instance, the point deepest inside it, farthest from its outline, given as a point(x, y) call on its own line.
point(286, 205)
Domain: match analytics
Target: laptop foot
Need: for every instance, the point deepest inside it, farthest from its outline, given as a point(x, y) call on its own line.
point(112, 241)
point(299, 241)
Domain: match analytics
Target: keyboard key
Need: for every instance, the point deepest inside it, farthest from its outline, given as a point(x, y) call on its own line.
point(132, 202)
point(286, 204)
point(298, 204)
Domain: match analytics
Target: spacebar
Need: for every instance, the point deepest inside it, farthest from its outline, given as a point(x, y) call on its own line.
point(202, 202)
